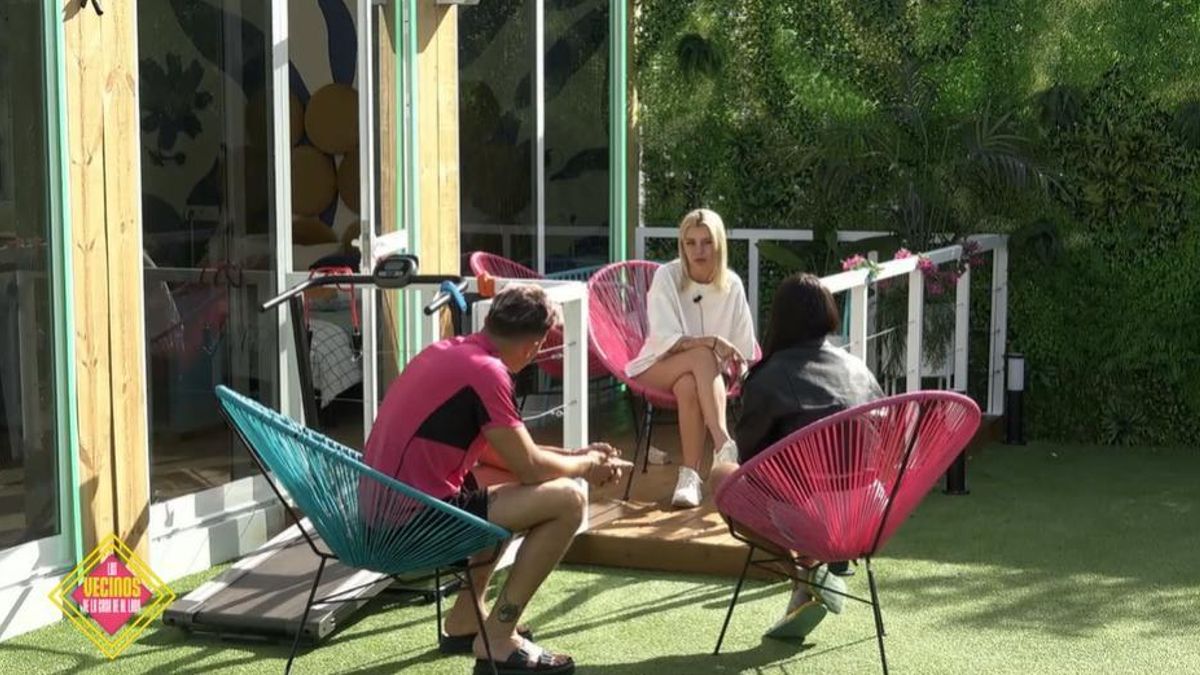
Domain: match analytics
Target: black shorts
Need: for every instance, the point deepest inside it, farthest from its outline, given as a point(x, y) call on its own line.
point(470, 498)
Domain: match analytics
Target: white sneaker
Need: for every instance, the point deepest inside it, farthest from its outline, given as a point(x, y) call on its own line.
point(801, 617)
point(658, 457)
point(728, 453)
point(687, 489)
point(800, 595)
point(832, 596)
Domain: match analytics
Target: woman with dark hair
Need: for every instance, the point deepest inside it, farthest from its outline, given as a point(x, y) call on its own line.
point(800, 379)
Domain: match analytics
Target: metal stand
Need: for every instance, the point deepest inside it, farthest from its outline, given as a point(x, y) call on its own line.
point(956, 476)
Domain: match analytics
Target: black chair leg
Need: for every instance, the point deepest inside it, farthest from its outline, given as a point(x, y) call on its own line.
point(487, 646)
point(642, 439)
point(736, 592)
point(637, 443)
point(879, 631)
point(649, 418)
point(304, 617)
point(437, 598)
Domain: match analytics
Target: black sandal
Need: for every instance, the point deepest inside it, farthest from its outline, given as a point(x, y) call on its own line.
point(518, 663)
point(464, 644)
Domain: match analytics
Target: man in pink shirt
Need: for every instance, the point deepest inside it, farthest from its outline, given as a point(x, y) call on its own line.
point(449, 406)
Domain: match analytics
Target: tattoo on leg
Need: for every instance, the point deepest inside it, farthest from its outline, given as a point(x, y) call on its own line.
point(506, 610)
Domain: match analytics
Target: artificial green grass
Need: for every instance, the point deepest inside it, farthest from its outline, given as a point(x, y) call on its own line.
point(1062, 560)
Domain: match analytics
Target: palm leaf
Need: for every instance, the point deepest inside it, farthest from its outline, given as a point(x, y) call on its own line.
point(697, 55)
point(782, 256)
point(994, 154)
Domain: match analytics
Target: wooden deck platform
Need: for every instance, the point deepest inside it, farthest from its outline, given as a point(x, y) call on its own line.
point(647, 532)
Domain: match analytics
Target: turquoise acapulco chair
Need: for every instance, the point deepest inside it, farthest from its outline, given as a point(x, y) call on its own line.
point(363, 518)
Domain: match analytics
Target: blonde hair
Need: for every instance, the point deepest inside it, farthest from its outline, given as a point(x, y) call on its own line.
point(716, 226)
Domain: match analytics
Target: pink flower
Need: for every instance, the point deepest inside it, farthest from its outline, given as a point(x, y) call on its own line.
point(853, 262)
point(926, 265)
point(902, 254)
point(971, 256)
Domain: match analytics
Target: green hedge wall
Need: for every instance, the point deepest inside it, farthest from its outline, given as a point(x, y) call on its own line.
point(1072, 125)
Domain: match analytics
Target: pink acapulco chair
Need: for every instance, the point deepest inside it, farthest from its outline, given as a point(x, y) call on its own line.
point(618, 324)
point(838, 488)
point(503, 268)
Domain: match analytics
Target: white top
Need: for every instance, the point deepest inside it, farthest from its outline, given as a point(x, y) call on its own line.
point(696, 311)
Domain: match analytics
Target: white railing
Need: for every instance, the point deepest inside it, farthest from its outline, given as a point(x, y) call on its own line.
point(857, 283)
point(752, 237)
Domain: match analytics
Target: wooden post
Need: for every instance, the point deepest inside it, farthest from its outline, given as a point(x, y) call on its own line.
point(388, 106)
point(390, 40)
point(437, 134)
point(437, 141)
point(105, 182)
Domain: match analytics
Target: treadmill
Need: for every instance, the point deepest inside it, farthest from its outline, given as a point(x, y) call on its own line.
point(262, 596)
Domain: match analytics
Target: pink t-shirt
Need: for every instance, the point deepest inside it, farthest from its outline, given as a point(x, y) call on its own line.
point(429, 432)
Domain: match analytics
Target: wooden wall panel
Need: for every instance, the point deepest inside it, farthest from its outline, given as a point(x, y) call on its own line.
point(389, 173)
point(437, 120)
point(85, 138)
point(103, 137)
point(387, 109)
point(122, 180)
point(447, 132)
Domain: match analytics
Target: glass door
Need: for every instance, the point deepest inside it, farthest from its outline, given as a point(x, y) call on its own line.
point(331, 206)
point(541, 136)
point(334, 210)
point(395, 323)
point(542, 131)
point(251, 165)
point(500, 129)
point(210, 218)
point(256, 174)
point(37, 534)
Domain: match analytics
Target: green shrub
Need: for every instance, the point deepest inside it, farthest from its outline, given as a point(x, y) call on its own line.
point(1074, 126)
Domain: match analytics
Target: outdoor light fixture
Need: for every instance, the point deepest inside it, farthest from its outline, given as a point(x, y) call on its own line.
point(1014, 399)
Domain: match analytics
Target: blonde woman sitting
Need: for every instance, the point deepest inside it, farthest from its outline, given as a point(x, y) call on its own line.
point(699, 326)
